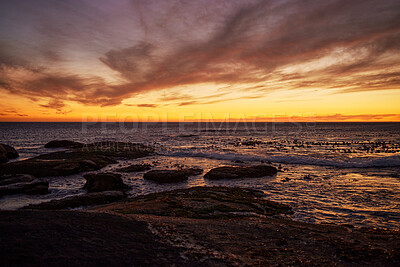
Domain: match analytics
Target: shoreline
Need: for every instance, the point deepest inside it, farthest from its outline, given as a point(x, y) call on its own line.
point(101, 236)
point(197, 226)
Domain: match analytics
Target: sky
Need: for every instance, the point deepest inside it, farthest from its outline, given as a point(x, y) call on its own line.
point(182, 60)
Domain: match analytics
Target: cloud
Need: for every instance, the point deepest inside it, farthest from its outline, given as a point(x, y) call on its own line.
point(361, 117)
point(11, 112)
point(325, 118)
point(188, 103)
point(249, 48)
point(4, 114)
point(204, 101)
point(338, 45)
point(54, 104)
point(59, 87)
point(57, 105)
point(147, 105)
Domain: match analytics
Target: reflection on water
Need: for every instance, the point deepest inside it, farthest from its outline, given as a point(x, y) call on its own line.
point(330, 173)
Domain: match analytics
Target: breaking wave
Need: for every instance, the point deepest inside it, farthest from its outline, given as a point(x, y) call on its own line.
point(388, 161)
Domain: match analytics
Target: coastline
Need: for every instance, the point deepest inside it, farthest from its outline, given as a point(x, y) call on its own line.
point(98, 236)
point(196, 226)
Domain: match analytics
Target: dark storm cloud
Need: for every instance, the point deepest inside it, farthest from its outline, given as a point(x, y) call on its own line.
point(156, 45)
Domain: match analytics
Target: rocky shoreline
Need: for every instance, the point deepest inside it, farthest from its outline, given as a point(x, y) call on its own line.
point(197, 226)
point(109, 235)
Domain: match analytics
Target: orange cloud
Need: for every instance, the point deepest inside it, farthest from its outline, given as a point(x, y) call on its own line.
point(332, 118)
point(250, 43)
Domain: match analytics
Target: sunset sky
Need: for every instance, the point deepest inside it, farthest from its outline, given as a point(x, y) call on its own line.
point(174, 60)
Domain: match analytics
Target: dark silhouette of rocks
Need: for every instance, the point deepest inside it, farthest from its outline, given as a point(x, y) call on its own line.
point(13, 179)
point(235, 172)
point(98, 182)
point(34, 187)
point(58, 164)
point(201, 226)
point(72, 238)
point(89, 157)
point(117, 149)
point(171, 176)
point(7, 152)
point(135, 168)
point(91, 199)
point(233, 227)
point(63, 144)
point(203, 202)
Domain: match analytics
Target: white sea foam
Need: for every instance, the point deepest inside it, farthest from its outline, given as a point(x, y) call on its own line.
point(388, 161)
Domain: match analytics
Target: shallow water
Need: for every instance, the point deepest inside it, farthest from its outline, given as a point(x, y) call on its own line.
point(330, 172)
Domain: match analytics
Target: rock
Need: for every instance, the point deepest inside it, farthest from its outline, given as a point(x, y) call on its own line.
point(75, 238)
point(39, 189)
point(171, 176)
point(135, 168)
point(58, 164)
point(97, 182)
point(63, 144)
point(202, 202)
point(31, 188)
point(3, 158)
point(91, 199)
point(11, 153)
point(7, 152)
point(13, 179)
point(230, 172)
point(118, 149)
point(90, 157)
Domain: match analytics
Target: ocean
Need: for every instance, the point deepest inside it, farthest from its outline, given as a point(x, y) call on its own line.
point(342, 173)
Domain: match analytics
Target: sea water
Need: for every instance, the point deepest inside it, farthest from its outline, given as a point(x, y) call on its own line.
point(343, 173)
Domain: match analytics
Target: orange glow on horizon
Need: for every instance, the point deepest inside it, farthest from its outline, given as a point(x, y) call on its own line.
point(241, 60)
point(278, 106)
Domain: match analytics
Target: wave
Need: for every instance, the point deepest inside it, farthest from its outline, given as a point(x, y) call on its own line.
point(389, 161)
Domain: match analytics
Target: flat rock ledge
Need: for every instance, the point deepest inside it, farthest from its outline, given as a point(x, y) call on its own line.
point(22, 184)
point(34, 187)
point(91, 199)
point(89, 157)
point(236, 172)
point(13, 179)
point(188, 227)
point(135, 168)
point(72, 238)
point(202, 202)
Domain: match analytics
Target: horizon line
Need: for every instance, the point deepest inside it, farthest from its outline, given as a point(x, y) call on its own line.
point(203, 121)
